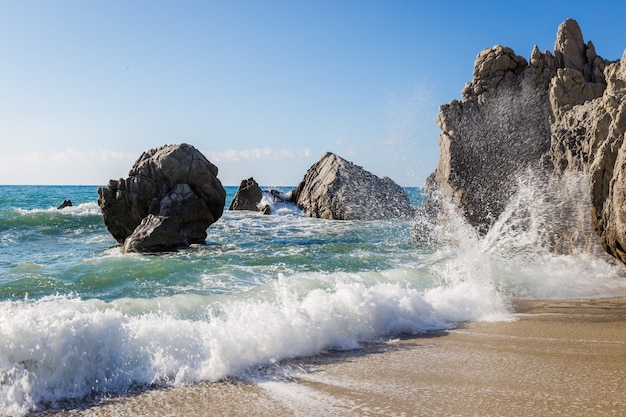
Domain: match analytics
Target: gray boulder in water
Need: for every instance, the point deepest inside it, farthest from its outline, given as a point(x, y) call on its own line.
point(175, 185)
point(336, 189)
point(248, 197)
point(156, 234)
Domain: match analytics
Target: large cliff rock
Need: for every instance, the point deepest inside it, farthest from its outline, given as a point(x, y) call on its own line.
point(336, 189)
point(498, 129)
point(174, 184)
point(608, 161)
point(554, 121)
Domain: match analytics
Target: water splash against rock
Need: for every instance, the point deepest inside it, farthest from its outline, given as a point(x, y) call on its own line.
point(543, 135)
point(485, 144)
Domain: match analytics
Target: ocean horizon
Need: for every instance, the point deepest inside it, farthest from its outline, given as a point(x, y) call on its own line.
point(81, 321)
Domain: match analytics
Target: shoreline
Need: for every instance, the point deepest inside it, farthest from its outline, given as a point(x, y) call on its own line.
point(557, 357)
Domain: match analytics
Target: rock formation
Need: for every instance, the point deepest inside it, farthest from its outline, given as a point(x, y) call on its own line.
point(156, 234)
point(557, 119)
point(608, 161)
point(249, 197)
point(336, 189)
point(177, 187)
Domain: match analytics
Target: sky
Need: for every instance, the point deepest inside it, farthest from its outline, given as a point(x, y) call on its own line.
point(262, 88)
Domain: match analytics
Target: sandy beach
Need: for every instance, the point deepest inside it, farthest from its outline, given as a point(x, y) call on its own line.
point(556, 358)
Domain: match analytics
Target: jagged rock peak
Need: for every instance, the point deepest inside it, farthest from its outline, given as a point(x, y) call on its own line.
point(492, 67)
point(569, 47)
point(499, 66)
point(497, 59)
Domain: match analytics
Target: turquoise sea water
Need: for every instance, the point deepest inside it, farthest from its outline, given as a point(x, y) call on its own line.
point(79, 319)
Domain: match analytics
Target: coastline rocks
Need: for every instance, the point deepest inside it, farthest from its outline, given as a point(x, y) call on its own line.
point(608, 162)
point(249, 197)
point(175, 184)
point(554, 123)
point(336, 189)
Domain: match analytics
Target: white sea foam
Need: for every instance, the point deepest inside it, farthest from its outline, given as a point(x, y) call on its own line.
point(83, 209)
point(60, 347)
point(280, 207)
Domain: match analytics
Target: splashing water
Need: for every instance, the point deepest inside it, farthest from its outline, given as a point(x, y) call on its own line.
point(541, 246)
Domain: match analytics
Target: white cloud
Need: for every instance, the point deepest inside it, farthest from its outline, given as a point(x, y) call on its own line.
point(69, 166)
point(257, 154)
point(67, 155)
point(73, 166)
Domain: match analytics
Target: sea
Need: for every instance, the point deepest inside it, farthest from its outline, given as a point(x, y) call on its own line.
point(81, 321)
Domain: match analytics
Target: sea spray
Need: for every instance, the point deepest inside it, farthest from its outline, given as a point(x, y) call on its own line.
point(279, 204)
point(541, 246)
point(488, 139)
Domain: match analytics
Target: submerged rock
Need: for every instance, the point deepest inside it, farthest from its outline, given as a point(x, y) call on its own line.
point(175, 185)
point(65, 203)
point(336, 189)
point(156, 234)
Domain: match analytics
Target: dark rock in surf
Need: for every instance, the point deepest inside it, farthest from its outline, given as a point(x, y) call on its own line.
point(156, 234)
point(64, 204)
point(175, 184)
point(336, 189)
point(557, 121)
point(249, 197)
point(281, 197)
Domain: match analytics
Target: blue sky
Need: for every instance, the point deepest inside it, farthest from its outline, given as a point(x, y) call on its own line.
point(262, 88)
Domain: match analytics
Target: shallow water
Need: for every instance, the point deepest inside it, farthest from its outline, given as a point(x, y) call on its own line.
point(78, 318)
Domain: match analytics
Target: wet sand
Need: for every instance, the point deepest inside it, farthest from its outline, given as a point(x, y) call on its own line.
point(556, 358)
